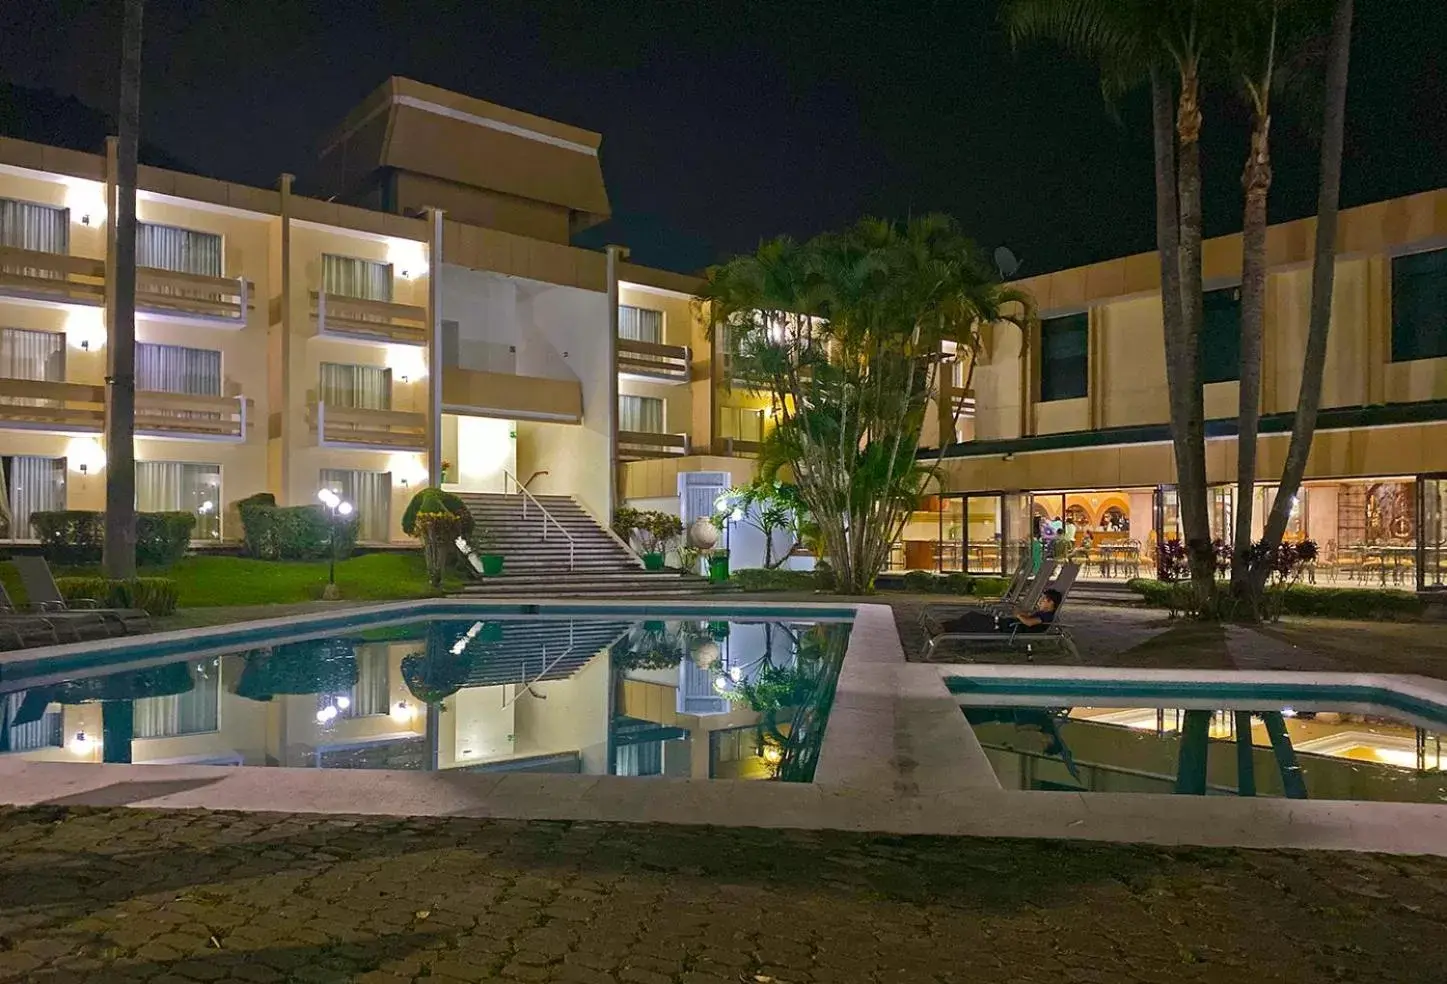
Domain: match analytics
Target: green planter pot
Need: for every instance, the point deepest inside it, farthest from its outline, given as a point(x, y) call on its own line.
point(653, 562)
point(718, 568)
point(492, 564)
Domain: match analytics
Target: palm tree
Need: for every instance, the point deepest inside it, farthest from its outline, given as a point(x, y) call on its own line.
point(120, 524)
point(1152, 42)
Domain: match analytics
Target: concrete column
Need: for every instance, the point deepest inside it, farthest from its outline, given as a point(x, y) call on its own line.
point(434, 350)
point(616, 255)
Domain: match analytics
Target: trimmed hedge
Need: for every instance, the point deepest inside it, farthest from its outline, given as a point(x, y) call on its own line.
point(435, 500)
point(75, 537)
point(758, 579)
point(155, 595)
point(272, 532)
point(1363, 604)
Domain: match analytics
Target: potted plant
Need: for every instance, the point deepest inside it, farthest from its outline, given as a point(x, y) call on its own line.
point(718, 566)
point(659, 530)
point(484, 543)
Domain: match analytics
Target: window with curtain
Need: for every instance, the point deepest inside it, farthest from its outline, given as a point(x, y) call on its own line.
point(25, 735)
point(195, 712)
point(355, 387)
point(31, 485)
point(178, 369)
point(640, 324)
point(640, 413)
point(368, 696)
point(26, 225)
point(176, 486)
point(163, 247)
point(348, 276)
point(1220, 340)
point(741, 423)
point(370, 494)
point(1419, 306)
point(1065, 357)
point(34, 355)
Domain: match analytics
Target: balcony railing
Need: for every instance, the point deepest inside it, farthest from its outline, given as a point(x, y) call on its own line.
point(736, 447)
point(639, 445)
point(350, 427)
point(227, 300)
point(374, 321)
point(51, 276)
point(31, 404)
point(652, 361)
point(963, 404)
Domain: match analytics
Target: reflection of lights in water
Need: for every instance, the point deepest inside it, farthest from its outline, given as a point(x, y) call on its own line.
point(1288, 712)
point(343, 703)
point(401, 712)
point(468, 636)
point(207, 507)
point(326, 714)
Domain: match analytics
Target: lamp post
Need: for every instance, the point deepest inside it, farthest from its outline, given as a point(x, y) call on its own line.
point(336, 507)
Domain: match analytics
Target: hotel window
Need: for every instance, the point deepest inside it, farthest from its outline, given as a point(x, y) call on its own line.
point(1065, 357)
point(178, 369)
point(175, 486)
point(25, 225)
point(1220, 345)
point(30, 485)
point(162, 247)
point(355, 387)
point(370, 494)
point(640, 324)
point(741, 423)
point(32, 355)
point(643, 414)
point(369, 695)
point(1419, 306)
point(195, 712)
point(27, 723)
point(348, 276)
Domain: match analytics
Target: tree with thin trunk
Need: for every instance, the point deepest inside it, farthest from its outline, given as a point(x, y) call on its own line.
point(846, 334)
point(120, 520)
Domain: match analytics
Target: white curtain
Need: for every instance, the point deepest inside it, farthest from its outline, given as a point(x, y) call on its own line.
point(175, 486)
point(181, 250)
point(195, 712)
point(36, 355)
point(348, 276)
point(36, 485)
point(178, 369)
point(369, 694)
point(370, 494)
point(43, 733)
point(25, 225)
point(640, 324)
point(640, 413)
point(355, 387)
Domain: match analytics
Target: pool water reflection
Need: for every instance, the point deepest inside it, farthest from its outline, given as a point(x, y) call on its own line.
point(732, 698)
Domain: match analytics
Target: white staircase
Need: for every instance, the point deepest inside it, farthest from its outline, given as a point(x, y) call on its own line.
point(562, 553)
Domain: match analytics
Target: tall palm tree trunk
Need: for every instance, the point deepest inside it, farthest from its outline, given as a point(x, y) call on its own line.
point(1183, 330)
point(120, 522)
point(1323, 277)
point(1257, 182)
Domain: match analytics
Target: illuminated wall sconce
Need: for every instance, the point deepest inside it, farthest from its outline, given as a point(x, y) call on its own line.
point(84, 469)
point(85, 219)
point(81, 744)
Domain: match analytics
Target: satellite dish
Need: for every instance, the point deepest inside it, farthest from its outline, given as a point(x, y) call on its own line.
point(1006, 262)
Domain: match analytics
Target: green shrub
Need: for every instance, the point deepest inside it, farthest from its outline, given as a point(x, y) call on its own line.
point(70, 537)
point(991, 587)
point(920, 582)
point(758, 579)
point(272, 532)
point(957, 583)
point(162, 537)
point(435, 500)
point(1301, 599)
point(156, 595)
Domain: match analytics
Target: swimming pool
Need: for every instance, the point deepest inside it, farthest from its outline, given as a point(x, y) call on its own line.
point(657, 690)
point(1297, 739)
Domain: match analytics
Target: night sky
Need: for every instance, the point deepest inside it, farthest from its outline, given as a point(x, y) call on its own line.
point(724, 123)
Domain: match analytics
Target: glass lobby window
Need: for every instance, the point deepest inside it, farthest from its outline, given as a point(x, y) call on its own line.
point(1434, 533)
point(984, 533)
point(1065, 357)
point(1220, 343)
point(1419, 306)
point(175, 486)
point(919, 545)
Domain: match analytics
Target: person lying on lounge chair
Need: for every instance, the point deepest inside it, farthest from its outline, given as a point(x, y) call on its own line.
point(1037, 621)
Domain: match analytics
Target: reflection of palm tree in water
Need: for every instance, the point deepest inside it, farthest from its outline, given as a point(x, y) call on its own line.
point(1047, 721)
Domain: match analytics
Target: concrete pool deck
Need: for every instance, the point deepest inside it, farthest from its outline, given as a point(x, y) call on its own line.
point(897, 757)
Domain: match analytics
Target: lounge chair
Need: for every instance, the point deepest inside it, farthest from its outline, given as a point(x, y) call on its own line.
point(45, 595)
point(1023, 590)
point(20, 624)
point(1055, 633)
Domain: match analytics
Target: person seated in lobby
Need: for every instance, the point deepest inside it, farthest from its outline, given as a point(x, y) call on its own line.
point(1037, 621)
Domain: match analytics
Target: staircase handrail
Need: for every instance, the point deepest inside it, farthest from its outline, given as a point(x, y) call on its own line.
point(547, 516)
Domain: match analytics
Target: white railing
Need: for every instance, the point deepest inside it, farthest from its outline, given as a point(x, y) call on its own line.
point(547, 516)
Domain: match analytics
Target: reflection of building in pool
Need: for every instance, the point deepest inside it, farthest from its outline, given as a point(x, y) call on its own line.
point(1341, 756)
point(1073, 420)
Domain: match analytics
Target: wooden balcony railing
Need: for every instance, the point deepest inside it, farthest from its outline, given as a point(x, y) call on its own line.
point(348, 427)
point(224, 299)
point(39, 405)
point(376, 321)
point(963, 403)
point(650, 360)
point(639, 445)
point(51, 276)
point(736, 447)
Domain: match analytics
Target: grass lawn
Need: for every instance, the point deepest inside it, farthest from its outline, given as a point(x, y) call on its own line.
point(211, 581)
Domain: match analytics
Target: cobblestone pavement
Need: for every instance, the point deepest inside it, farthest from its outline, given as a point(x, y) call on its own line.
point(96, 896)
point(1141, 637)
